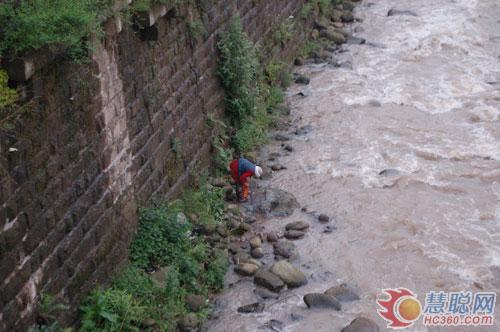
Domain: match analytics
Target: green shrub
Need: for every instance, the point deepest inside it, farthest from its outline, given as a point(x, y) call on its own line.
point(195, 29)
point(187, 266)
point(277, 74)
point(253, 133)
point(284, 32)
point(306, 10)
point(112, 310)
point(207, 205)
point(216, 270)
point(47, 312)
point(8, 96)
point(239, 72)
point(325, 6)
point(223, 153)
point(163, 304)
point(160, 237)
point(57, 24)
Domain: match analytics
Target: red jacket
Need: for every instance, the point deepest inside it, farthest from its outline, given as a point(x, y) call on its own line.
point(241, 170)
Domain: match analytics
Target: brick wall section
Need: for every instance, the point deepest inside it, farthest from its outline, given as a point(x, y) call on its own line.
point(104, 139)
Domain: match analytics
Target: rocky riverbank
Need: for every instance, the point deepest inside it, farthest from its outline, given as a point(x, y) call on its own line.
point(393, 139)
point(266, 259)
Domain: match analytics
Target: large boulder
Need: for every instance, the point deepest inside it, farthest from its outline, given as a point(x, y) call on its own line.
point(290, 275)
point(361, 324)
point(276, 203)
point(268, 280)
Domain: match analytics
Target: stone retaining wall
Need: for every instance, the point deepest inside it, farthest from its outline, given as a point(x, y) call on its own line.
point(104, 139)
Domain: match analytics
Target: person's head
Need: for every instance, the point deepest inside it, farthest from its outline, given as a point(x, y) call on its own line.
point(236, 154)
point(258, 171)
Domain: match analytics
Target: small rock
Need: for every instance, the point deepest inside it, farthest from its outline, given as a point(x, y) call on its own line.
point(222, 230)
point(188, 323)
point(304, 130)
point(333, 36)
point(232, 207)
point(195, 302)
point(274, 325)
point(272, 237)
point(283, 110)
point(268, 280)
point(242, 228)
point(323, 218)
point(281, 137)
point(284, 249)
point(359, 29)
point(376, 45)
point(355, 40)
point(299, 62)
point(361, 324)
point(246, 269)
point(394, 12)
point(347, 17)
point(265, 293)
point(374, 103)
point(315, 34)
point(218, 182)
point(306, 92)
point(252, 308)
point(277, 167)
point(348, 5)
point(255, 242)
point(321, 24)
point(240, 257)
point(328, 229)
point(338, 25)
point(343, 293)
point(297, 226)
point(301, 79)
point(249, 219)
point(257, 253)
point(194, 217)
point(294, 235)
point(290, 275)
point(208, 229)
point(323, 301)
point(296, 317)
point(390, 172)
point(160, 277)
point(288, 148)
point(235, 247)
point(252, 261)
point(181, 218)
point(148, 323)
point(336, 15)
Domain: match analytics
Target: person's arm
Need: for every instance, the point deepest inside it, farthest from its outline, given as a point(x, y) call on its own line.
point(244, 177)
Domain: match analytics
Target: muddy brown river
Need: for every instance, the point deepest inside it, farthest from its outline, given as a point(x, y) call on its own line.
point(422, 101)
